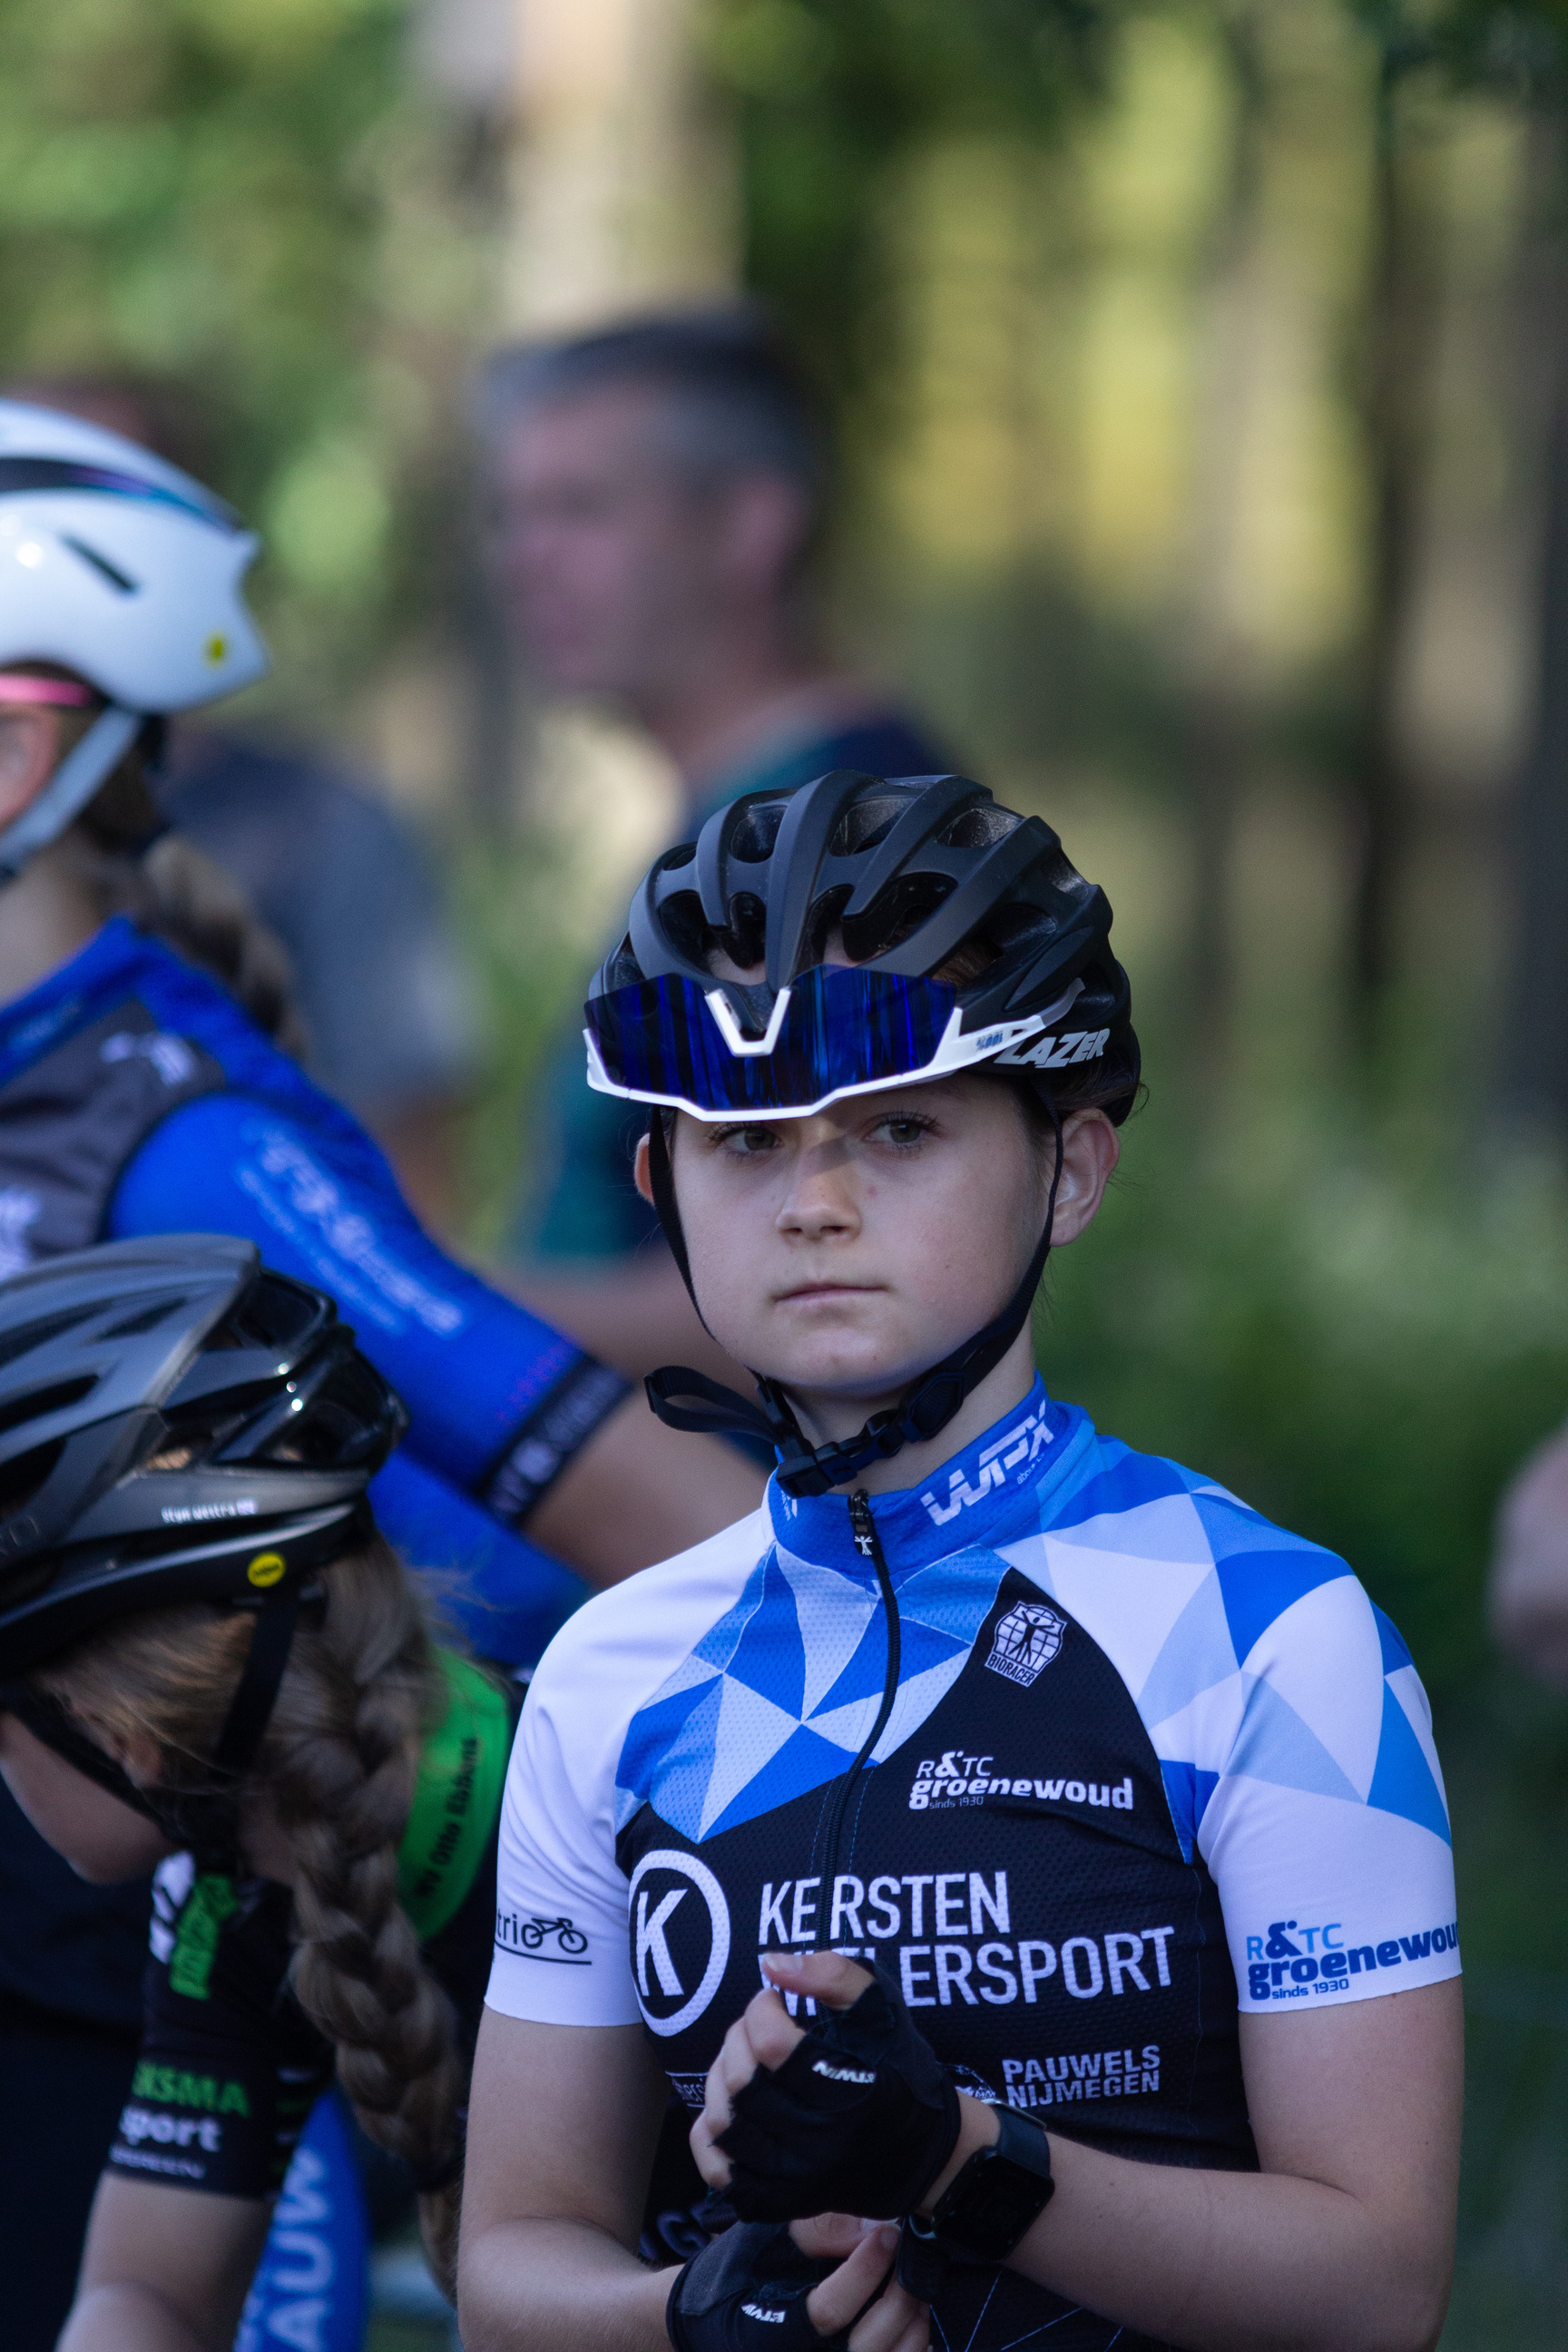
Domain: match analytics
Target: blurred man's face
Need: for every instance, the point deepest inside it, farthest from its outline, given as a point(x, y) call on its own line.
point(614, 566)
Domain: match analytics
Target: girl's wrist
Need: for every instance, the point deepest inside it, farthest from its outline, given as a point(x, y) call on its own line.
point(977, 2129)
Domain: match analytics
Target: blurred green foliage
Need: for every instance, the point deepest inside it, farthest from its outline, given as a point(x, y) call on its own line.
point(243, 196)
point(830, 94)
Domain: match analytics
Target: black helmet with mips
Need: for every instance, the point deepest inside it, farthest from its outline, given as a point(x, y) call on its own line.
point(177, 1423)
point(858, 933)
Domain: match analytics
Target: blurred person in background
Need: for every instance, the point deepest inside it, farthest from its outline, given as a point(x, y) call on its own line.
point(1528, 1593)
point(350, 890)
point(145, 1087)
point(660, 489)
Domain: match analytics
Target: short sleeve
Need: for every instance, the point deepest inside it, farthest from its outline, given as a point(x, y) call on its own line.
point(1326, 1828)
point(560, 1949)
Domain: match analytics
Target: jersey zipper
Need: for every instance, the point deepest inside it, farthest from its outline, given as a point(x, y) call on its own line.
point(869, 1544)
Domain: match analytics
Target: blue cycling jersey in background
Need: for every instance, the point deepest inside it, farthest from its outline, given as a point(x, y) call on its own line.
point(136, 1097)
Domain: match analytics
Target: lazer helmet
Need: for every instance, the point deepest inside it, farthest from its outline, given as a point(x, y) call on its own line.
point(969, 939)
point(122, 568)
point(176, 1424)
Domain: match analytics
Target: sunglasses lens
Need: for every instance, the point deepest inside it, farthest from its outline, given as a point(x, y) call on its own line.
point(666, 1040)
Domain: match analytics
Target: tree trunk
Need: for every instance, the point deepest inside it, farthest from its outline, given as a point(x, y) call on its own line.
point(1397, 357)
point(1536, 1046)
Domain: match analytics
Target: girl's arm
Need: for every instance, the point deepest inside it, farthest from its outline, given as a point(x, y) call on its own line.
point(506, 1408)
point(563, 2124)
point(1344, 2242)
point(165, 2270)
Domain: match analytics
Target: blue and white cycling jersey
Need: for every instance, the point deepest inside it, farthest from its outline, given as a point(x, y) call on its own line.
point(1151, 1762)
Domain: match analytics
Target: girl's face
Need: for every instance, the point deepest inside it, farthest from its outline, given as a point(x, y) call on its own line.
point(845, 1254)
point(102, 1840)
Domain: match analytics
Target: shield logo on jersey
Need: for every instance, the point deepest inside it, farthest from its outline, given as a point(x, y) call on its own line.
point(679, 1926)
point(1026, 1641)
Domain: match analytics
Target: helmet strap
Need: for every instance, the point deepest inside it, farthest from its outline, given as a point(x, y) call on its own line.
point(205, 1823)
point(69, 789)
point(922, 1412)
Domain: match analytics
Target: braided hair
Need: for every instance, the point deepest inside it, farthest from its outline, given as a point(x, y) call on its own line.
point(338, 1763)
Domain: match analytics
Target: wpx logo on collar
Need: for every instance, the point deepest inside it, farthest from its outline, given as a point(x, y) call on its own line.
point(1010, 1456)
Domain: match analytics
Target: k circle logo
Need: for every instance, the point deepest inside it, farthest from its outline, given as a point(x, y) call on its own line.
point(681, 1938)
point(267, 1567)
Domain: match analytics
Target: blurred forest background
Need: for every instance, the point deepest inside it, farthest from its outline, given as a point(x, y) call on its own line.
point(1203, 375)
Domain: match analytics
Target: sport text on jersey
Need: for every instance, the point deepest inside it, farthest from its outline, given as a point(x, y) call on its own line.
point(949, 1936)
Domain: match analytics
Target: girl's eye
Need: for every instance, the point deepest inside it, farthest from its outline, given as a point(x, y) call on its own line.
point(904, 1133)
point(746, 1142)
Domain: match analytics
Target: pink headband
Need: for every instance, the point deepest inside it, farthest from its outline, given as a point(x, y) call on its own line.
point(20, 685)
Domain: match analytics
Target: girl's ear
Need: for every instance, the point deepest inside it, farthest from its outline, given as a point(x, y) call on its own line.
point(137, 1753)
point(640, 1175)
point(1091, 1149)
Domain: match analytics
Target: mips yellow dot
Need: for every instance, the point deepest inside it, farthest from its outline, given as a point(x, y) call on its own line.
point(267, 1567)
point(215, 648)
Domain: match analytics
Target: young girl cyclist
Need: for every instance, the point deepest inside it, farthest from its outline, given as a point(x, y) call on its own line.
point(143, 1089)
point(1086, 1829)
point(211, 1660)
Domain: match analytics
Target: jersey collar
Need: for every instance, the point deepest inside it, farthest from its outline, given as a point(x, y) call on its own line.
point(982, 1496)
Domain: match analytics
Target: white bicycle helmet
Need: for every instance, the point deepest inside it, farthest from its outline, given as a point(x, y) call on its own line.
point(124, 569)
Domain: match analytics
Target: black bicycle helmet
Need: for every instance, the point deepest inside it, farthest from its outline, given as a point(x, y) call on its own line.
point(177, 1423)
point(961, 936)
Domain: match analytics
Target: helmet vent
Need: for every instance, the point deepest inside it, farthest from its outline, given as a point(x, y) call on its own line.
point(39, 1334)
point(20, 1480)
point(864, 824)
point(40, 1402)
point(147, 1320)
point(756, 833)
point(121, 582)
point(977, 828)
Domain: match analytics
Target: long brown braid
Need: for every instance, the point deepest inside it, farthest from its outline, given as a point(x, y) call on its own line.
point(338, 1766)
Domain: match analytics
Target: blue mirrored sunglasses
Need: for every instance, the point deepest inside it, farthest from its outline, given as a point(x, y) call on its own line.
point(835, 1030)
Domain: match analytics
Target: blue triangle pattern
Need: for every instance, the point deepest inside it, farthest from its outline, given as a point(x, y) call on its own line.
point(1257, 1589)
point(717, 1647)
point(805, 1762)
point(1126, 1481)
point(1231, 1528)
point(1188, 1789)
point(676, 1773)
point(1394, 1653)
point(769, 1655)
point(920, 1646)
point(653, 1729)
point(953, 1595)
point(1402, 1778)
point(1274, 1744)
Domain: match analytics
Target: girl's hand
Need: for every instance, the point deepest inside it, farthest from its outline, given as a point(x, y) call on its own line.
point(819, 2285)
point(895, 2322)
point(763, 2035)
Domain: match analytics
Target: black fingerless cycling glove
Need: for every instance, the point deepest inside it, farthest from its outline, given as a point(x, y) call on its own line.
point(746, 2292)
point(861, 2118)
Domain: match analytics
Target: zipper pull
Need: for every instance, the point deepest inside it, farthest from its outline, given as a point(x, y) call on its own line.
point(861, 1524)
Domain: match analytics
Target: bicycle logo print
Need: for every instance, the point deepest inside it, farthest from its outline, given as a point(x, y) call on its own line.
point(539, 1938)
